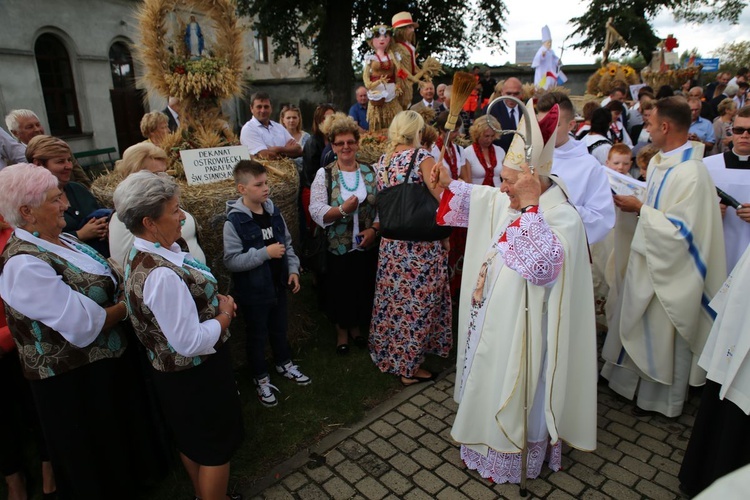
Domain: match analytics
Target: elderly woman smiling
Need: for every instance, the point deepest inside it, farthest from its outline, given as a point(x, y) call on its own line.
point(183, 323)
point(155, 127)
point(146, 156)
point(64, 314)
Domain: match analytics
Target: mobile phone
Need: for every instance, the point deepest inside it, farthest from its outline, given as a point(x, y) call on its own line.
point(358, 238)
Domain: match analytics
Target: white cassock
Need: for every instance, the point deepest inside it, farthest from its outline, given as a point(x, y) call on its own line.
point(726, 356)
point(676, 264)
point(587, 185)
point(731, 173)
point(492, 323)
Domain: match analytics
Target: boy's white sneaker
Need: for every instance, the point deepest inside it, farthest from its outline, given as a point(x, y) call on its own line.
point(291, 372)
point(265, 392)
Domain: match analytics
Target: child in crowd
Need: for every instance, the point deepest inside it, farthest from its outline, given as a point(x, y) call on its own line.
point(643, 158)
point(258, 251)
point(620, 158)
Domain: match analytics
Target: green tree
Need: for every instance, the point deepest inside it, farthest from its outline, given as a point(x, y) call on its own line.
point(448, 30)
point(734, 55)
point(633, 18)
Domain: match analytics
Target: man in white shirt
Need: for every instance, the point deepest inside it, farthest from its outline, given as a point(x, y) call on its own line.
point(11, 151)
point(264, 137)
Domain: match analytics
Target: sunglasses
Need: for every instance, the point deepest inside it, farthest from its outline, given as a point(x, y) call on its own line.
point(513, 93)
point(344, 143)
point(740, 130)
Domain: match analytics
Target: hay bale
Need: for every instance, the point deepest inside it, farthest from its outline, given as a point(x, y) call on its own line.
point(207, 204)
point(371, 148)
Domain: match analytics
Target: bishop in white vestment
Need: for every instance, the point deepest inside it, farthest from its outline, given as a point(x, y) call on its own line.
point(517, 256)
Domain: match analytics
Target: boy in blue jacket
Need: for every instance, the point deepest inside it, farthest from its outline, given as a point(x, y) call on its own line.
point(258, 251)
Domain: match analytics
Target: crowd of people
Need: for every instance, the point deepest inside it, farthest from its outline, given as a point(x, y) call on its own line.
point(114, 318)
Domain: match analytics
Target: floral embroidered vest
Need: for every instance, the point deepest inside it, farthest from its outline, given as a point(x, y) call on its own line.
point(204, 290)
point(340, 232)
point(43, 352)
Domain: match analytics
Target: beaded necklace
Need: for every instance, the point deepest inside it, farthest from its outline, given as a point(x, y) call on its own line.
point(197, 265)
point(346, 186)
point(85, 249)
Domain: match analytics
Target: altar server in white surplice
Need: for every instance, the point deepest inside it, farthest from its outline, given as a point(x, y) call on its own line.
point(525, 244)
point(676, 265)
point(730, 172)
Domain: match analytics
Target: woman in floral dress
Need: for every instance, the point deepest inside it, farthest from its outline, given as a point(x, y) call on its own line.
point(412, 312)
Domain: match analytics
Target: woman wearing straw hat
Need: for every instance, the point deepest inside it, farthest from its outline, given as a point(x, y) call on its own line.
point(527, 341)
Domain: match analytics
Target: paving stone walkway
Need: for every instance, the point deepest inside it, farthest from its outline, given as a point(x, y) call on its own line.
point(403, 450)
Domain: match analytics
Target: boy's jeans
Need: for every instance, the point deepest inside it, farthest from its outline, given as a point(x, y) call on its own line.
point(263, 323)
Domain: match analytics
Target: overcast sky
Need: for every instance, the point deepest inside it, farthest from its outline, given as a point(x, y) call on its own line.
point(520, 25)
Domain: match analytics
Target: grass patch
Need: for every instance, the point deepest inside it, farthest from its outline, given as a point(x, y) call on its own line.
point(344, 388)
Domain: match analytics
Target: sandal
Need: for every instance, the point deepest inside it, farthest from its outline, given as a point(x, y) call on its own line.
point(407, 381)
point(342, 349)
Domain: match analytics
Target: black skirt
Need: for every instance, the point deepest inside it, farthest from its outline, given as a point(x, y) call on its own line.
point(719, 442)
point(349, 287)
point(202, 409)
point(96, 424)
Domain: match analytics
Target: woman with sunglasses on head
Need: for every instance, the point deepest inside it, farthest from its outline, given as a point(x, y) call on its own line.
point(342, 202)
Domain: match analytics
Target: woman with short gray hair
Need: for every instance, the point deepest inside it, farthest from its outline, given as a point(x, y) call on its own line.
point(183, 323)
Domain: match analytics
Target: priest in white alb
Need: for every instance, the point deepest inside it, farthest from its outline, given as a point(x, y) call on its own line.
point(730, 172)
point(676, 264)
point(526, 247)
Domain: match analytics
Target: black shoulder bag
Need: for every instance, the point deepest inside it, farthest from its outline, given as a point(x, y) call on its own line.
point(407, 211)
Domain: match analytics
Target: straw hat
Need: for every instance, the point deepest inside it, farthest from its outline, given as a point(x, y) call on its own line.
point(403, 19)
point(542, 140)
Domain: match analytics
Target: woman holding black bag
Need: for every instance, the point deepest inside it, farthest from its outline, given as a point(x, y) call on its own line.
point(412, 309)
point(342, 199)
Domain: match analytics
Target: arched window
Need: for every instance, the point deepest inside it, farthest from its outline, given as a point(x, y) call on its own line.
point(121, 64)
point(58, 86)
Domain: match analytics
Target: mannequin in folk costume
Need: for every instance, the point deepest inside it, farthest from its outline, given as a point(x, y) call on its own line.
point(525, 250)
point(404, 35)
point(382, 69)
point(546, 64)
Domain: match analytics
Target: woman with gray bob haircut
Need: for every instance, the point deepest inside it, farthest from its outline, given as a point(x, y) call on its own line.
point(143, 194)
point(183, 323)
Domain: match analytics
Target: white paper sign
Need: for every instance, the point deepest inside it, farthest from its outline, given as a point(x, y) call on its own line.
point(204, 166)
point(625, 185)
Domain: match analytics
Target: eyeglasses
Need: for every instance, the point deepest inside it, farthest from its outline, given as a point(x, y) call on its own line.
point(740, 130)
point(344, 143)
point(512, 93)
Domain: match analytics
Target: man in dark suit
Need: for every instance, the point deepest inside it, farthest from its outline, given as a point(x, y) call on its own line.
point(428, 98)
point(507, 112)
point(173, 113)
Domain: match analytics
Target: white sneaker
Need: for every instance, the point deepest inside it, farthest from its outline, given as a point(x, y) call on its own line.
point(291, 372)
point(265, 392)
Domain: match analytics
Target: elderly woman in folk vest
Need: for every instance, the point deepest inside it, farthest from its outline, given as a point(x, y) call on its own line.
point(65, 311)
point(342, 202)
point(183, 323)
